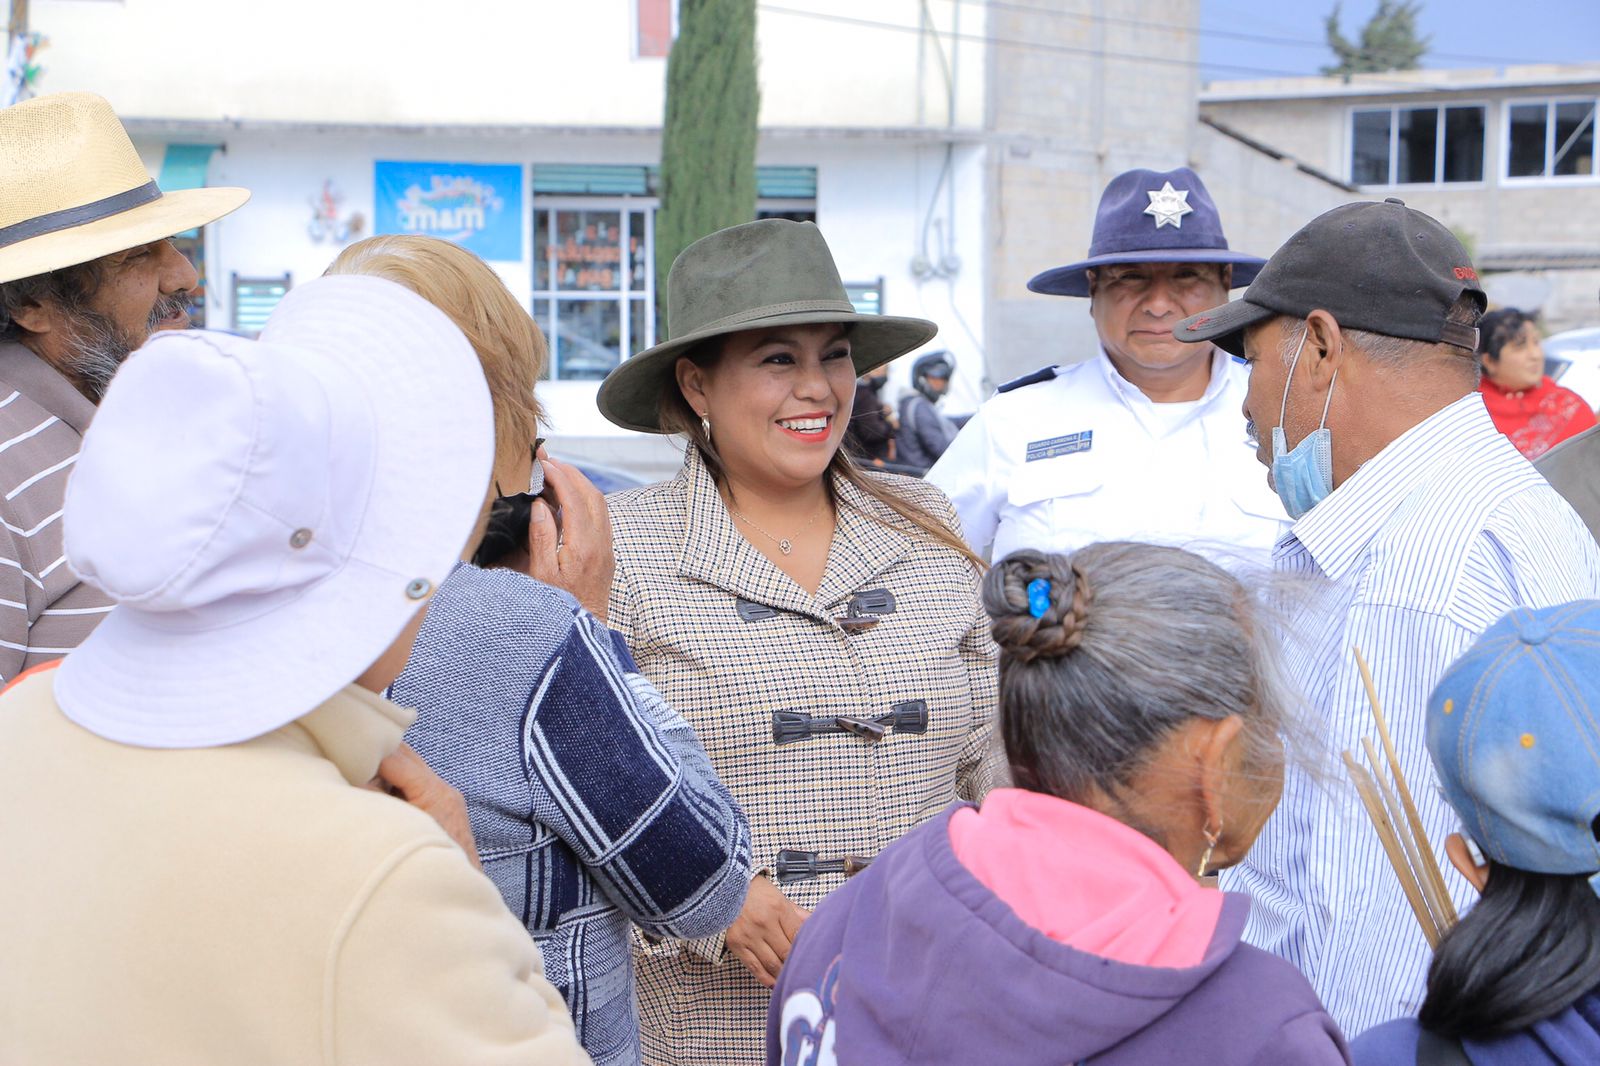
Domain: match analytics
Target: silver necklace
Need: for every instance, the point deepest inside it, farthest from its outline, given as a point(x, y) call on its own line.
point(785, 545)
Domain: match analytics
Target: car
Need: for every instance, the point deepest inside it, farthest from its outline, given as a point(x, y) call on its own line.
point(608, 479)
point(1572, 358)
point(584, 359)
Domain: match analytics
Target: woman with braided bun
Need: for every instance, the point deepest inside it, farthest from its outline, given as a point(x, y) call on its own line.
point(1144, 709)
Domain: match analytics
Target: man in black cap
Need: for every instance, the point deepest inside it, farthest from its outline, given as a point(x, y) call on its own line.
point(1142, 440)
point(1418, 524)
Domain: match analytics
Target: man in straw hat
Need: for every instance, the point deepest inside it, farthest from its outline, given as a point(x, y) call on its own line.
point(195, 869)
point(1143, 440)
point(86, 274)
point(1416, 523)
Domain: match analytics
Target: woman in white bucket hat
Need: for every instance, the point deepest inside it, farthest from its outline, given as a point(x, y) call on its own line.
point(194, 870)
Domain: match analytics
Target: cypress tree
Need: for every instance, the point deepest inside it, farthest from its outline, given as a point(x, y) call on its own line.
point(708, 140)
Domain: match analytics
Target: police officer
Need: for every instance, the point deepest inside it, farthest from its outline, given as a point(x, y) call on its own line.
point(1145, 440)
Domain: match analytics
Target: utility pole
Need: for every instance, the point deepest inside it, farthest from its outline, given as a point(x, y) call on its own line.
point(19, 21)
point(16, 57)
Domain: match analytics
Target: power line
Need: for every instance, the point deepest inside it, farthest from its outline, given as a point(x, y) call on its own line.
point(1204, 31)
point(1038, 46)
point(1041, 46)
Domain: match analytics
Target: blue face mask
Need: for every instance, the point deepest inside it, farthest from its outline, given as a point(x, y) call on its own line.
point(1303, 475)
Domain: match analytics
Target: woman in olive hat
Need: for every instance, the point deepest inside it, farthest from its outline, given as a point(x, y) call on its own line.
point(817, 624)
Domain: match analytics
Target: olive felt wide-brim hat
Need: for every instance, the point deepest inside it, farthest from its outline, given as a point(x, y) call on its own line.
point(73, 189)
point(760, 275)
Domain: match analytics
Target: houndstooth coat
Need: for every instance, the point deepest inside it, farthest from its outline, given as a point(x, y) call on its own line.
point(728, 638)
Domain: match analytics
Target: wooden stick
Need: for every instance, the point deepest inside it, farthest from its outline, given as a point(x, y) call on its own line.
point(1391, 846)
point(1412, 847)
point(1430, 868)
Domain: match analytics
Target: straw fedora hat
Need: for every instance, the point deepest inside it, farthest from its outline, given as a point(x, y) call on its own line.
point(72, 188)
point(756, 276)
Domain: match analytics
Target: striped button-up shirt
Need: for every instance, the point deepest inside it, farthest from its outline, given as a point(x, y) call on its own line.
point(45, 611)
point(1415, 555)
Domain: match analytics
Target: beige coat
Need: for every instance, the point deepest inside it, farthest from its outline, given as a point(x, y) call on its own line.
point(682, 571)
point(247, 905)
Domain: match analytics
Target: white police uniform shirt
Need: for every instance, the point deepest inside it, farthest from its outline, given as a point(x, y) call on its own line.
point(1077, 454)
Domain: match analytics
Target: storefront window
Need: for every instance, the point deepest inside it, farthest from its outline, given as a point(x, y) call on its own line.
point(594, 256)
point(592, 285)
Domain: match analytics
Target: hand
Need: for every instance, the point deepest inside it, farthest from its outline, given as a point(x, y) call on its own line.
point(764, 931)
point(404, 774)
point(578, 556)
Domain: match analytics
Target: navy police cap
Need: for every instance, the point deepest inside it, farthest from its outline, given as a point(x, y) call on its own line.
point(1150, 216)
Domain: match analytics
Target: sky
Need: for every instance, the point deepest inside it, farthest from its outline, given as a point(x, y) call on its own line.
point(1287, 35)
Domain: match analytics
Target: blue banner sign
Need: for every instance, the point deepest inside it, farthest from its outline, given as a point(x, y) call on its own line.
point(477, 206)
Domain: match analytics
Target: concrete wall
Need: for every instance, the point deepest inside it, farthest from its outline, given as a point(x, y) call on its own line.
point(1558, 221)
point(1262, 200)
point(1064, 117)
point(493, 62)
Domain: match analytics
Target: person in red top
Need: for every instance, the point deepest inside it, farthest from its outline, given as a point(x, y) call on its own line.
point(1525, 403)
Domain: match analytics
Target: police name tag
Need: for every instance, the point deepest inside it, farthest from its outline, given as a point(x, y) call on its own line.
point(1068, 445)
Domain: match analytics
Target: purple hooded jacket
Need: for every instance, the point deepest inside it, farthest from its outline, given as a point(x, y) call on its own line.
point(914, 960)
point(1571, 1038)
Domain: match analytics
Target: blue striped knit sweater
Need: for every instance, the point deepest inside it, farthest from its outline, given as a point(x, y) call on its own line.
point(591, 800)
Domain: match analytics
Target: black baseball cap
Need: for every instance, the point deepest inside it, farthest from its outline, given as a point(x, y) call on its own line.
point(1381, 267)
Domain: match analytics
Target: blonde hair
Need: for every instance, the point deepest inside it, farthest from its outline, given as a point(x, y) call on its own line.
point(509, 345)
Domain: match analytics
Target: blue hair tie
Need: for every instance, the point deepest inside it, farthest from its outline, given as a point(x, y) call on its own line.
point(1038, 596)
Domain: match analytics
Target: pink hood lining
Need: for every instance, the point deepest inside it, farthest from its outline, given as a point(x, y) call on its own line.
point(1086, 880)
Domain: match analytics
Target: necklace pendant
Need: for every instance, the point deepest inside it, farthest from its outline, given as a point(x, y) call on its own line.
point(785, 547)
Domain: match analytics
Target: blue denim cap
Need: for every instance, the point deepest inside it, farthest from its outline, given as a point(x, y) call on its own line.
point(1514, 732)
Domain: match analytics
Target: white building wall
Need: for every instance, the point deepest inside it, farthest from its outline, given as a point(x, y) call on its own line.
point(298, 92)
point(874, 197)
point(854, 63)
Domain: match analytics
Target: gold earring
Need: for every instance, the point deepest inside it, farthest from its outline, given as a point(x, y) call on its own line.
point(1211, 845)
point(705, 426)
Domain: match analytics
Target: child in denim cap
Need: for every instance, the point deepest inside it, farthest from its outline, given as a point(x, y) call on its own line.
point(1514, 732)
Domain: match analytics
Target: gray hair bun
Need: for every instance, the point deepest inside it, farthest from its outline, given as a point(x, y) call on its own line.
point(1021, 636)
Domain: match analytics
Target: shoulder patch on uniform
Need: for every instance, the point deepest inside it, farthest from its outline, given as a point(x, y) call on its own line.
point(1045, 374)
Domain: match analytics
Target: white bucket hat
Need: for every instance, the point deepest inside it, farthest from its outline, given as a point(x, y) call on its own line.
point(269, 515)
point(72, 188)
